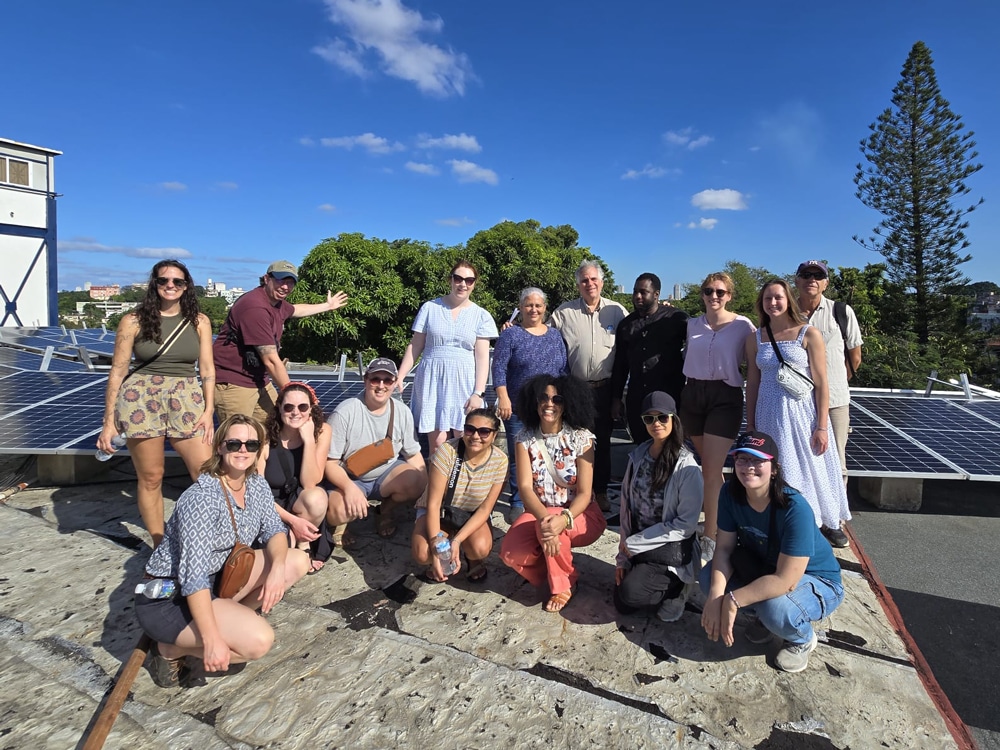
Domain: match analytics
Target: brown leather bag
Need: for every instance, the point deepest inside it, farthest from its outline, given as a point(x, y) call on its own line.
point(380, 452)
point(235, 571)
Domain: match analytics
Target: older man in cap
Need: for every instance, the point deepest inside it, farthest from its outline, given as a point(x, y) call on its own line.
point(246, 349)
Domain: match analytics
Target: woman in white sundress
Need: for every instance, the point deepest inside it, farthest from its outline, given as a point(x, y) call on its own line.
point(453, 333)
point(800, 427)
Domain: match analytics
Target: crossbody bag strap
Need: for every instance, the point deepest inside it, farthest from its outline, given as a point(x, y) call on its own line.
point(777, 349)
point(777, 352)
point(164, 348)
point(229, 507)
point(392, 416)
point(456, 469)
point(287, 468)
point(548, 460)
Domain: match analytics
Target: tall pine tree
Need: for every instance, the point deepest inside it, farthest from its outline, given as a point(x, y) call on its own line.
point(919, 156)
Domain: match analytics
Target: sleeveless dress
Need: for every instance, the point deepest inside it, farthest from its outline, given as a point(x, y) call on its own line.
point(791, 423)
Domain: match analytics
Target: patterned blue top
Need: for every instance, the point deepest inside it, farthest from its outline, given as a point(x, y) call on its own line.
point(199, 534)
point(519, 356)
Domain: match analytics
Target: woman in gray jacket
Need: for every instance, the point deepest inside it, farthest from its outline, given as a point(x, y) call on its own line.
point(660, 504)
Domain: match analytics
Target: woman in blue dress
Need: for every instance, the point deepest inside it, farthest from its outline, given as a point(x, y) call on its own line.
point(800, 426)
point(453, 333)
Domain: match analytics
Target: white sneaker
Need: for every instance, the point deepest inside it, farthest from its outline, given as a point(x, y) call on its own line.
point(794, 657)
point(671, 610)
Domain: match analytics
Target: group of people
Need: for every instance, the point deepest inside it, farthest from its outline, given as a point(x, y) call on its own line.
point(561, 383)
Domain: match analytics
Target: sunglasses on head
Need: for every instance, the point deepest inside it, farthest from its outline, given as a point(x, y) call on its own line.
point(164, 280)
point(818, 275)
point(289, 408)
point(385, 380)
point(557, 399)
point(661, 418)
point(233, 446)
point(483, 432)
point(469, 280)
point(717, 292)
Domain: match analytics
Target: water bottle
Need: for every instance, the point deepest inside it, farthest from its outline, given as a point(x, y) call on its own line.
point(158, 588)
point(118, 441)
point(442, 548)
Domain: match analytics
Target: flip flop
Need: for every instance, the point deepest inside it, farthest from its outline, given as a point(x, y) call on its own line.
point(315, 566)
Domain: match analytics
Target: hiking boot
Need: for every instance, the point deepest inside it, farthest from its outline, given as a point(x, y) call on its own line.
point(835, 537)
point(794, 657)
point(671, 610)
point(165, 672)
point(601, 498)
point(756, 633)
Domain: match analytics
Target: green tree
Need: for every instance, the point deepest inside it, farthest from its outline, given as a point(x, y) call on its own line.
point(215, 308)
point(68, 300)
point(747, 281)
point(918, 159)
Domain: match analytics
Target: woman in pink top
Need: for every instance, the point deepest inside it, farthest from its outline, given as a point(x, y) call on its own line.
point(712, 409)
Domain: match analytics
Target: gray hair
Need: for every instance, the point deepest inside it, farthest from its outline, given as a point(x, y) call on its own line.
point(531, 291)
point(589, 263)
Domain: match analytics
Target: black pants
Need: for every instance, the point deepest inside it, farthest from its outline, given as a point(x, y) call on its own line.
point(603, 426)
point(648, 583)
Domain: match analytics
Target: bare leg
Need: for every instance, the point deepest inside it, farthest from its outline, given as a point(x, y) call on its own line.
point(713, 450)
point(147, 457)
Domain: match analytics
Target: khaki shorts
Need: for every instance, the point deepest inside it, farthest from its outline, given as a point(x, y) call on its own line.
point(159, 406)
point(235, 399)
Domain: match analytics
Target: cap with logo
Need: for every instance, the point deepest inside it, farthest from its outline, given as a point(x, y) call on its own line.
point(282, 269)
point(817, 264)
point(382, 364)
point(758, 444)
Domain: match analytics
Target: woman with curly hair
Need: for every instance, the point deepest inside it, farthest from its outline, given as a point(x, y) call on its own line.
point(160, 397)
point(293, 460)
point(555, 473)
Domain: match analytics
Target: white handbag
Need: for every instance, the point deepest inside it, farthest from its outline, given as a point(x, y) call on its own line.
point(797, 384)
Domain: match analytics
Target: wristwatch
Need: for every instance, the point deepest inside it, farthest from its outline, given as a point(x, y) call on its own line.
point(481, 394)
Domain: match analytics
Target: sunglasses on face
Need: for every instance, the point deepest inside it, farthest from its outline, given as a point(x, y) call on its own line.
point(742, 459)
point(287, 280)
point(818, 275)
point(233, 446)
point(469, 280)
point(376, 380)
point(164, 280)
point(661, 418)
point(483, 432)
point(289, 408)
point(557, 400)
point(717, 292)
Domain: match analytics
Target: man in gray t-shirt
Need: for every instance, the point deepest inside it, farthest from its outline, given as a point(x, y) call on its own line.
point(359, 422)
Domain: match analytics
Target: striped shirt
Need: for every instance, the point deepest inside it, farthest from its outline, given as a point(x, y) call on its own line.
point(473, 484)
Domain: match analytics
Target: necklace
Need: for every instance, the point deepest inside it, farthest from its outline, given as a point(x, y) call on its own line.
point(232, 489)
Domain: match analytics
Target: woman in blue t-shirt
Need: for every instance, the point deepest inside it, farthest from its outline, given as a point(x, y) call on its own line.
point(770, 558)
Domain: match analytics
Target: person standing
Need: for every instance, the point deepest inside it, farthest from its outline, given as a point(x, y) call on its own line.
point(648, 353)
point(588, 326)
point(246, 349)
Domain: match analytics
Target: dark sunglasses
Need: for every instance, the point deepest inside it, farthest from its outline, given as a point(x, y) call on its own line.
point(818, 275)
point(469, 280)
point(381, 381)
point(286, 280)
point(661, 418)
point(483, 432)
point(164, 280)
point(289, 408)
point(717, 292)
point(557, 399)
point(233, 446)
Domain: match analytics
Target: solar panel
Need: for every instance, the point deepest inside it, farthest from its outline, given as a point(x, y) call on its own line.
point(989, 410)
point(23, 359)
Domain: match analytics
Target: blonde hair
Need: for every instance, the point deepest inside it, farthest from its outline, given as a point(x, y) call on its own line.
point(213, 465)
point(793, 308)
point(722, 276)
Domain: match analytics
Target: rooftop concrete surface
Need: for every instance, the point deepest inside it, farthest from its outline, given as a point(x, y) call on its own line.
point(368, 656)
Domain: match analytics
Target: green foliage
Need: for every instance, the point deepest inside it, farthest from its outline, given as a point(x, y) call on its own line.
point(131, 294)
point(747, 281)
point(68, 300)
point(216, 310)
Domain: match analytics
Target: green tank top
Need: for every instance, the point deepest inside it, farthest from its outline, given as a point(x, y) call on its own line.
point(179, 361)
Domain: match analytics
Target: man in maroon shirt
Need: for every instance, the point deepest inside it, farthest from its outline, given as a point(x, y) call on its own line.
point(246, 349)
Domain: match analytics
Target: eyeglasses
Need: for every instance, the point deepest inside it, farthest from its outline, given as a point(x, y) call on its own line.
point(661, 418)
point(233, 446)
point(483, 432)
point(469, 280)
point(818, 275)
point(289, 408)
point(381, 381)
point(717, 292)
point(557, 400)
point(180, 283)
point(743, 459)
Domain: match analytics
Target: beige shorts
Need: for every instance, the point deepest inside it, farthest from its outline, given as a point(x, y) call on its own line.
point(159, 406)
point(235, 399)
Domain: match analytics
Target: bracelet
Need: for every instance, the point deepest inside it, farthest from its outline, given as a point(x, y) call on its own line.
point(569, 517)
point(733, 599)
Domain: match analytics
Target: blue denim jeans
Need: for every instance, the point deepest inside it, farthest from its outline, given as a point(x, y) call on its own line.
point(791, 615)
point(512, 427)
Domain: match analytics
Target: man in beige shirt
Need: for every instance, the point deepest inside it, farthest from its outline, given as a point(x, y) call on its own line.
point(588, 326)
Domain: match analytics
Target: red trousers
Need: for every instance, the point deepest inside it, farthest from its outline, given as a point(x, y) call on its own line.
point(522, 548)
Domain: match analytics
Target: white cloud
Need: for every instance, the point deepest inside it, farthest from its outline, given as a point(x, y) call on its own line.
point(386, 34)
point(419, 168)
point(306, 141)
point(458, 222)
point(685, 139)
point(327, 208)
point(88, 245)
point(708, 224)
point(467, 171)
point(227, 185)
point(175, 187)
point(460, 142)
point(649, 171)
point(725, 199)
point(372, 143)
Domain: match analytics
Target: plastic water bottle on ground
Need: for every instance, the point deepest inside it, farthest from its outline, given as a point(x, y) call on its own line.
point(158, 588)
point(442, 548)
point(118, 441)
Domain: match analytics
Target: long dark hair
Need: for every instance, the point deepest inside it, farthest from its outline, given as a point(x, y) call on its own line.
point(148, 312)
point(664, 464)
point(776, 490)
point(274, 424)
point(578, 404)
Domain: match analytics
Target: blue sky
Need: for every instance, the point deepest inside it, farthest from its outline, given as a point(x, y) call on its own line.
point(672, 136)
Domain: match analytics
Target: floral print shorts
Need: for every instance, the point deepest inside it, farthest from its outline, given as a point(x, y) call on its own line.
point(159, 406)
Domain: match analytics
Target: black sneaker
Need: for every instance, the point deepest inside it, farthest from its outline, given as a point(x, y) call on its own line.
point(835, 537)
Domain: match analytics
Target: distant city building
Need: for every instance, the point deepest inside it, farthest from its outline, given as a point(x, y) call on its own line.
point(231, 295)
point(107, 307)
point(103, 292)
point(677, 291)
point(214, 288)
point(985, 311)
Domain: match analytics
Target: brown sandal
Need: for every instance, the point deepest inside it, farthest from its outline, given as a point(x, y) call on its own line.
point(342, 537)
point(556, 602)
point(384, 523)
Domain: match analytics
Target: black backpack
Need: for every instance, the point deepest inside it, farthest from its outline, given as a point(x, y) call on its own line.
point(840, 315)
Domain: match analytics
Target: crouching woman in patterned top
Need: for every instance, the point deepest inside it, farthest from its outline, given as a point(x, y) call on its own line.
point(198, 538)
point(555, 473)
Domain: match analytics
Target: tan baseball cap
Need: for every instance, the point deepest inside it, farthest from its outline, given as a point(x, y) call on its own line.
point(282, 269)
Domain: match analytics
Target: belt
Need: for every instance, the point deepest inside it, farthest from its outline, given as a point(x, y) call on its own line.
point(598, 383)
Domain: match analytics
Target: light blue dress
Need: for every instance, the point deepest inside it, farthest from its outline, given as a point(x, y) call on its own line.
point(791, 423)
point(446, 376)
